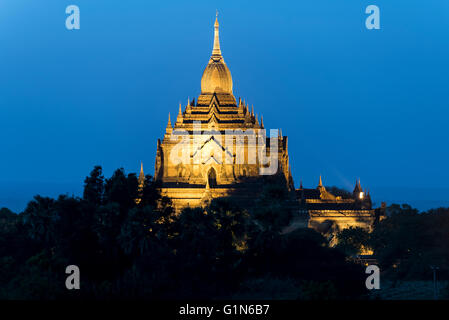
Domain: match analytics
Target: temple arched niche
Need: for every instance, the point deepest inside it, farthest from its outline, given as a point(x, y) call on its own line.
point(212, 178)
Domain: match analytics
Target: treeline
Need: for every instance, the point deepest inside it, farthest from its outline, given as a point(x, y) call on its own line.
point(406, 244)
point(126, 250)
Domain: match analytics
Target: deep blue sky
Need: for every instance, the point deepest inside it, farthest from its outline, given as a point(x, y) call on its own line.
point(354, 102)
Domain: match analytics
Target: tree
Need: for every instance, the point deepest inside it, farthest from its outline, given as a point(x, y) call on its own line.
point(39, 219)
point(139, 230)
point(353, 240)
point(304, 256)
point(407, 242)
point(121, 189)
point(8, 219)
point(272, 209)
point(150, 193)
point(94, 187)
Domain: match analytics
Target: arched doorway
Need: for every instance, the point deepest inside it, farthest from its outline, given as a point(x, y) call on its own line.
point(212, 178)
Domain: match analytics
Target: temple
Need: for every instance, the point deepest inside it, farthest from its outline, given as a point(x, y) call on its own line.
point(218, 147)
point(216, 143)
point(329, 213)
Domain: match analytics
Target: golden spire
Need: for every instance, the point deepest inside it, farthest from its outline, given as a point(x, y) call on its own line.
point(216, 77)
point(320, 184)
point(169, 128)
point(179, 118)
point(141, 175)
point(141, 184)
point(216, 50)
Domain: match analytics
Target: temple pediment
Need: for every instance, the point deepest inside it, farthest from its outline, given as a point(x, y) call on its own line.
point(212, 148)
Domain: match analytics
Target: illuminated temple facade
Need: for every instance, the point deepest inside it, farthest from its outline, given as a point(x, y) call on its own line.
point(216, 144)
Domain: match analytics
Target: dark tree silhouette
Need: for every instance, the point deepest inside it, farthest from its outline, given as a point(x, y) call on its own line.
point(94, 187)
point(130, 249)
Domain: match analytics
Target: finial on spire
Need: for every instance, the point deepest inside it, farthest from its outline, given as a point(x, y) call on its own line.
point(169, 126)
point(216, 50)
point(261, 121)
point(300, 184)
point(179, 118)
point(320, 184)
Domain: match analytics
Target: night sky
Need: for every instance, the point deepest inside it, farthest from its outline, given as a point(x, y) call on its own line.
point(354, 103)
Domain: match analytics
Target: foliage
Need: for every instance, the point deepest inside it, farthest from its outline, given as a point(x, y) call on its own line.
point(353, 240)
point(407, 243)
point(127, 249)
point(271, 209)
